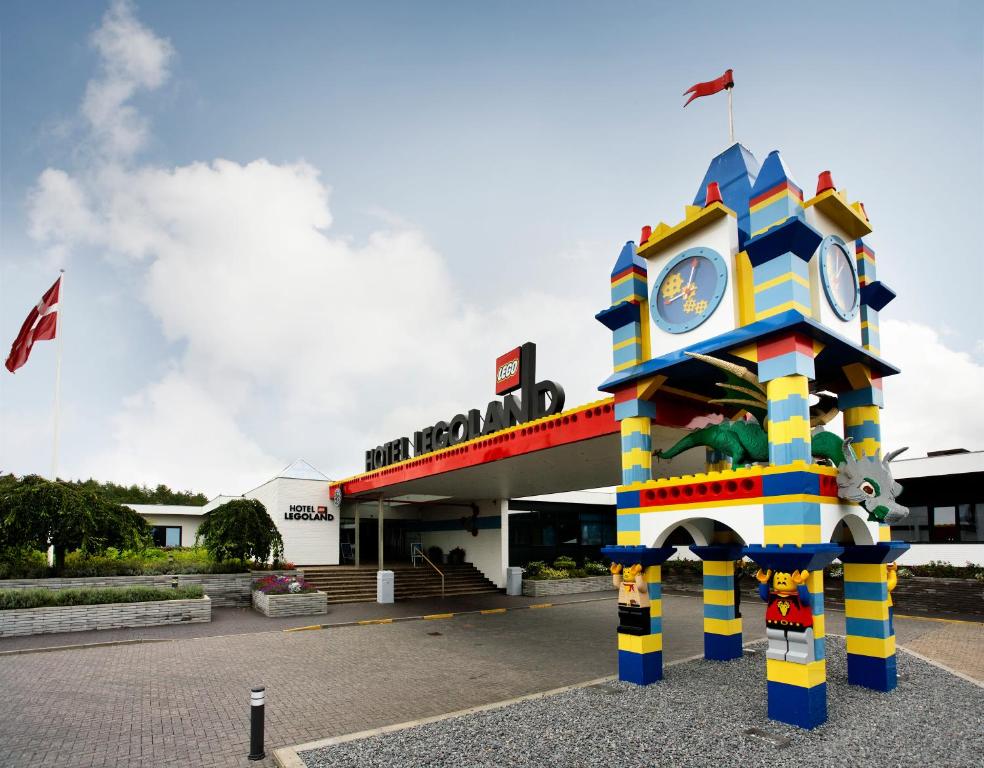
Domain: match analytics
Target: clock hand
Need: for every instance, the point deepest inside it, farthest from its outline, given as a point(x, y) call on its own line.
point(693, 268)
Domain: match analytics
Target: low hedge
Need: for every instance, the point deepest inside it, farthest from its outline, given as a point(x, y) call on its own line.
point(13, 599)
point(154, 561)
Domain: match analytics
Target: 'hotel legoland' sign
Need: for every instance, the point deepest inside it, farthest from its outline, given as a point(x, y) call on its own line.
point(513, 370)
point(308, 512)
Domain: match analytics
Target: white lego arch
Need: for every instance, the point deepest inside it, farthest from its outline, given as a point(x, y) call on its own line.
point(854, 517)
point(700, 525)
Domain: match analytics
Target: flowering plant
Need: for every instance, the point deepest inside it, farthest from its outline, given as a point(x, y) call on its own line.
point(283, 585)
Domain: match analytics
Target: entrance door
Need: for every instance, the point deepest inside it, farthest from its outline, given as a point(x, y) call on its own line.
point(369, 541)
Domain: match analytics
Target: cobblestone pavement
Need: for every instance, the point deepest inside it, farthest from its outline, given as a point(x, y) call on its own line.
point(237, 621)
point(185, 702)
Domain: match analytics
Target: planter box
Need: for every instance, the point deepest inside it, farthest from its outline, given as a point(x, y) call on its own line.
point(79, 618)
point(543, 587)
point(226, 590)
point(291, 605)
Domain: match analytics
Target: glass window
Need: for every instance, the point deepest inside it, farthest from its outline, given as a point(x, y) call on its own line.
point(971, 521)
point(944, 524)
point(172, 536)
point(593, 533)
point(915, 527)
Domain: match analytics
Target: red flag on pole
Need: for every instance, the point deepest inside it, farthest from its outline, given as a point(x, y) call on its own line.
point(711, 86)
point(41, 325)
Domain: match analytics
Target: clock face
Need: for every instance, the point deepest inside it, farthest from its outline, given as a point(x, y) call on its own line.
point(839, 275)
point(688, 290)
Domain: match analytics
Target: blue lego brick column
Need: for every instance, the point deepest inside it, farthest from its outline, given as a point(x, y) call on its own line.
point(722, 624)
point(868, 614)
point(867, 274)
point(861, 407)
point(786, 366)
point(637, 444)
point(640, 643)
point(797, 691)
point(640, 657)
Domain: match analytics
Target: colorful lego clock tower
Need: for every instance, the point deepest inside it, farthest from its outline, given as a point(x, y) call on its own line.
point(761, 307)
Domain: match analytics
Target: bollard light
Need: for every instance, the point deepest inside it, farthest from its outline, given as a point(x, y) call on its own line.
point(257, 702)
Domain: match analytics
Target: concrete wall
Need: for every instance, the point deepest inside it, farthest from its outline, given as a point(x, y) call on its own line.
point(306, 604)
point(484, 551)
point(544, 587)
point(79, 618)
point(306, 542)
point(226, 590)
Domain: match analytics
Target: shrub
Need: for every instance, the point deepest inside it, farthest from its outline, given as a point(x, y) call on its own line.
point(564, 563)
point(23, 563)
point(682, 567)
point(435, 555)
point(283, 585)
point(534, 567)
point(11, 599)
point(548, 573)
point(39, 513)
point(242, 530)
point(456, 556)
point(592, 568)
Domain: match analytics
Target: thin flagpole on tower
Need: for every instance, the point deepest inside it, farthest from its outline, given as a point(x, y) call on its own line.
point(59, 330)
point(731, 117)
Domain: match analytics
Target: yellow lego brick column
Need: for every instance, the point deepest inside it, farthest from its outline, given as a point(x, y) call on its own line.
point(862, 418)
point(868, 580)
point(640, 611)
point(637, 448)
point(870, 640)
point(722, 622)
point(797, 681)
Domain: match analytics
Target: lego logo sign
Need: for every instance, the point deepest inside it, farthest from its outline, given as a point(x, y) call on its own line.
point(507, 372)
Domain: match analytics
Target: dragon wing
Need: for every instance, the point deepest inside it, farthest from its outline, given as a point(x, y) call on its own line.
point(741, 381)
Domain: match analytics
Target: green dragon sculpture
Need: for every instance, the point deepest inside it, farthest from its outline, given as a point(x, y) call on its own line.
point(867, 480)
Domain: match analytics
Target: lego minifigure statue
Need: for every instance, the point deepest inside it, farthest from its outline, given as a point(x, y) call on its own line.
point(631, 586)
point(893, 580)
point(633, 599)
point(788, 617)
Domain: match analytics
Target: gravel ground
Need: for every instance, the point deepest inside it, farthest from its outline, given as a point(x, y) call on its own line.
point(699, 715)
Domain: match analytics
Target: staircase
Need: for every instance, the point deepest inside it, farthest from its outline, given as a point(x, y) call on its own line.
point(344, 584)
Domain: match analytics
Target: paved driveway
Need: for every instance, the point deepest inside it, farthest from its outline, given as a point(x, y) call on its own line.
point(184, 702)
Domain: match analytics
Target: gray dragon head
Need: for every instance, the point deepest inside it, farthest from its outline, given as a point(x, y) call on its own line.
point(869, 482)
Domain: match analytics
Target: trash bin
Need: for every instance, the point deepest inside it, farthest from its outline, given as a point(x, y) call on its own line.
point(384, 586)
point(514, 581)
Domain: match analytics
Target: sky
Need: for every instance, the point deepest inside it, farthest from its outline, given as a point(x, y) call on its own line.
point(302, 229)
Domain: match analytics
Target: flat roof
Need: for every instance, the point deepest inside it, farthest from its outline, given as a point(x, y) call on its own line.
point(577, 449)
point(934, 466)
point(168, 509)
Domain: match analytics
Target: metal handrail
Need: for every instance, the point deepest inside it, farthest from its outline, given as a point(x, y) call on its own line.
point(417, 549)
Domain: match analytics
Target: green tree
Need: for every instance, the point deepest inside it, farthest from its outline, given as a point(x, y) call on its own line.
point(242, 530)
point(36, 513)
point(140, 494)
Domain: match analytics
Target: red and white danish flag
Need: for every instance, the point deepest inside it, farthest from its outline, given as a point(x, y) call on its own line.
point(41, 325)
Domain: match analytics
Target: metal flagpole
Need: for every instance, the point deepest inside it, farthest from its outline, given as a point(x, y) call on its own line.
point(731, 117)
point(59, 327)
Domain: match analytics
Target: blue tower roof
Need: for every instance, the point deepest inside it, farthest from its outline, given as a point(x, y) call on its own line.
point(627, 257)
point(735, 170)
point(772, 174)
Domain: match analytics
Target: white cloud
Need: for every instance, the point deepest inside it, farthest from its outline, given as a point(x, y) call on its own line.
point(132, 58)
point(176, 433)
point(935, 403)
point(305, 341)
point(295, 341)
